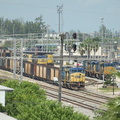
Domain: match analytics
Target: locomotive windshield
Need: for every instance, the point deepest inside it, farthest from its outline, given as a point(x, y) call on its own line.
point(109, 64)
point(73, 70)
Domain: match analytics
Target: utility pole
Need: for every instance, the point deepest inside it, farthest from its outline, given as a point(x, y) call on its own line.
point(59, 10)
point(21, 57)
point(61, 64)
point(14, 65)
point(18, 57)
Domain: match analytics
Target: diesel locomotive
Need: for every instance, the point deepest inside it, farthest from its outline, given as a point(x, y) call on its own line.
point(98, 69)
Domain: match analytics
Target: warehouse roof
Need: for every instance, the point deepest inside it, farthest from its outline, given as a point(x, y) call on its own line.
point(4, 88)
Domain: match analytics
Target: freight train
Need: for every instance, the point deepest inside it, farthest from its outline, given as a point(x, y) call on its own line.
point(71, 79)
point(99, 69)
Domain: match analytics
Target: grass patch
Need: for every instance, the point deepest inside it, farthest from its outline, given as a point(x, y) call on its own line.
point(109, 89)
point(2, 81)
point(4, 72)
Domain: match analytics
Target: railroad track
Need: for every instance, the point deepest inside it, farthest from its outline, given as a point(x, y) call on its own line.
point(76, 99)
point(83, 99)
point(79, 104)
point(95, 95)
point(102, 99)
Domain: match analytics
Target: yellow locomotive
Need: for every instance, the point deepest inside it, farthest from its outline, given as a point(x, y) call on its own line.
point(98, 69)
point(46, 59)
point(73, 78)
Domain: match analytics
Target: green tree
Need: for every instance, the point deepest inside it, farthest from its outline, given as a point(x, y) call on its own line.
point(40, 25)
point(112, 108)
point(28, 102)
point(18, 26)
point(81, 49)
point(23, 93)
point(88, 45)
point(95, 45)
point(112, 111)
point(2, 108)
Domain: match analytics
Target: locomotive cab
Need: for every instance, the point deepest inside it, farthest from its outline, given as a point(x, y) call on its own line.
point(75, 78)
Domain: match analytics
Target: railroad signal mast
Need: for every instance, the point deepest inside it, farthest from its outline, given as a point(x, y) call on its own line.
point(74, 47)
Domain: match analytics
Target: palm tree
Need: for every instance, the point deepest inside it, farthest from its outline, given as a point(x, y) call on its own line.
point(95, 46)
point(112, 107)
point(118, 73)
point(81, 49)
point(112, 111)
point(87, 45)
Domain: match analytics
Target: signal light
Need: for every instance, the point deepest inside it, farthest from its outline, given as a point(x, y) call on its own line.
point(65, 46)
point(74, 47)
point(74, 35)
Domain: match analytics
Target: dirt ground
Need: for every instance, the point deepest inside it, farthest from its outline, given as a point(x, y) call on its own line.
point(96, 88)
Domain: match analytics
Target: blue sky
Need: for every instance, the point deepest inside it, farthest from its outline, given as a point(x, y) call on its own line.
point(82, 15)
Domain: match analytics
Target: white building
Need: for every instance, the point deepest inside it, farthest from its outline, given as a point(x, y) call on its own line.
point(3, 90)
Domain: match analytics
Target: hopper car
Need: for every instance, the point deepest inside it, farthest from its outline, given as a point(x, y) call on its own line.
point(71, 78)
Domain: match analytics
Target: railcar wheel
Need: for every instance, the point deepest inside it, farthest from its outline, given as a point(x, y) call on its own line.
point(68, 85)
point(74, 86)
point(64, 85)
point(97, 76)
point(102, 77)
